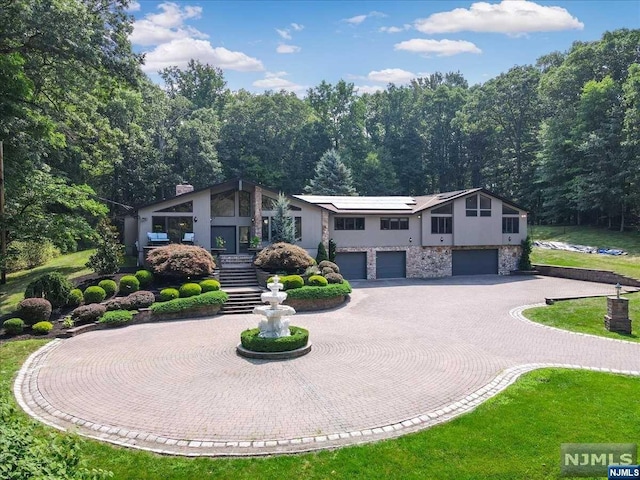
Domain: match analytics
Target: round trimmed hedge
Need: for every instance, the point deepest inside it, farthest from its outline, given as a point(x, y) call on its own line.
point(94, 295)
point(251, 341)
point(145, 277)
point(110, 287)
point(42, 328)
point(190, 290)
point(167, 294)
point(75, 298)
point(33, 310)
point(129, 284)
point(209, 285)
point(13, 326)
point(317, 281)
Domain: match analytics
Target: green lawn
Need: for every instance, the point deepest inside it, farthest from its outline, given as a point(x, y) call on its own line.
point(517, 434)
point(586, 315)
point(625, 265)
point(71, 265)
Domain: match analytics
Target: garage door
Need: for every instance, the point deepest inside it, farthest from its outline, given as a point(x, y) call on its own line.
point(353, 265)
point(391, 265)
point(475, 262)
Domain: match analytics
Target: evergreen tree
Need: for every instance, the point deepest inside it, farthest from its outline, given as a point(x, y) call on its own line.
point(332, 177)
point(332, 250)
point(322, 253)
point(284, 229)
point(108, 256)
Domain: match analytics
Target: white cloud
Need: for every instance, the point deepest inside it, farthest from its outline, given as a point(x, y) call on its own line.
point(442, 48)
point(391, 75)
point(358, 19)
point(297, 27)
point(157, 28)
point(284, 48)
point(274, 81)
point(134, 6)
point(360, 89)
point(178, 52)
point(513, 17)
point(284, 33)
point(394, 29)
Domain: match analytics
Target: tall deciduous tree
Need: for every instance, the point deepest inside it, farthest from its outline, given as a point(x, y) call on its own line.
point(332, 177)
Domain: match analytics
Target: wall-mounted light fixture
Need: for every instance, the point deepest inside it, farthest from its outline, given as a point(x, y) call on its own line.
point(143, 219)
point(419, 216)
point(441, 239)
point(410, 239)
point(195, 219)
point(509, 237)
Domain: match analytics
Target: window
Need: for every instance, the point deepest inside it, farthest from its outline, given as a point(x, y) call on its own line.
point(181, 207)
point(510, 225)
point(245, 203)
point(265, 229)
point(268, 203)
point(298, 224)
point(444, 210)
point(175, 227)
point(223, 204)
point(509, 211)
point(471, 206)
point(349, 223)
point(440, 225)
point(401, 223)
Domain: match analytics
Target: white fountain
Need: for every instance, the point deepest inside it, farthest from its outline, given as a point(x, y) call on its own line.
point(275, 325)
point(276, 321)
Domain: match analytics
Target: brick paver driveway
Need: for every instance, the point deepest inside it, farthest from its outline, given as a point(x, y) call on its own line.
point(399, 357)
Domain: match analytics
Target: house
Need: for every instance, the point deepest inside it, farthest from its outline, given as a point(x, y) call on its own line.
point(465, 232)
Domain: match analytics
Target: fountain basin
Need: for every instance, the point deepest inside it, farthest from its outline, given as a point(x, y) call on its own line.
point(252, 345)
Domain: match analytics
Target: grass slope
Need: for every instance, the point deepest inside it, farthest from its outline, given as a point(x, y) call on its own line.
point(71, 265)
point(625, 265)
point(517, 434)
point(586, 315)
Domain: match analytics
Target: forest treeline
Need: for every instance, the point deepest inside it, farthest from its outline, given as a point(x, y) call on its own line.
point(87, 134)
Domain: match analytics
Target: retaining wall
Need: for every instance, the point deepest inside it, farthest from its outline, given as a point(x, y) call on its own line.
point(586, 274)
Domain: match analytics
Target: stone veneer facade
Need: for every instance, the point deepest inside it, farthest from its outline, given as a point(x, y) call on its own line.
point(434, 262)
point(257, 212)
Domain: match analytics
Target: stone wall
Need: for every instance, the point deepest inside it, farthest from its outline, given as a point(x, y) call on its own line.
point(587, 274)
point(257, 212)
point(508, 258)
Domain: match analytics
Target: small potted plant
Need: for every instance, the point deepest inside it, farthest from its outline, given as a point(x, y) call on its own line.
point(254, 243)
point(219, 246)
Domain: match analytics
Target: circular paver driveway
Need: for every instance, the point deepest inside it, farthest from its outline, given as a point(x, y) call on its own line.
point(400, 356)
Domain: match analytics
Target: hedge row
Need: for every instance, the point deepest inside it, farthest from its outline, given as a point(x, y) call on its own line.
point(251, 341)
point(331, 290)
point(181, 304)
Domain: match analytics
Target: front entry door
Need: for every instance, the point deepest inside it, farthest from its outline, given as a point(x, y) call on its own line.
point(229, 235)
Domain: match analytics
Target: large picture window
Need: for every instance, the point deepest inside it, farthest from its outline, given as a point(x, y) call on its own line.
point(401, 223)
point(349, 223)
point(478, 205)
point(510, 225)
point(175, 227)
point(223, 204)
point(244, 203)
point(441, 225)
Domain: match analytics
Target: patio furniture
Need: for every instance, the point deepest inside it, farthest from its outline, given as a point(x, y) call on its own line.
point(189, 237)
point(157, 238)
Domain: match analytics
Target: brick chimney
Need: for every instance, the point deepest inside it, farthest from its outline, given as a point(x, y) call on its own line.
point(183, 188)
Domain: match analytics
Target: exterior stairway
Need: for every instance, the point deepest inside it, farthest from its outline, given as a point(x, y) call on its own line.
point(238, 279)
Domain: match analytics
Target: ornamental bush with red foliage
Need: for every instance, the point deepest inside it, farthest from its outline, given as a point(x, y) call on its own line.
point(88, 313)
point(181, 261)
point(284, 257)
point(33, 310)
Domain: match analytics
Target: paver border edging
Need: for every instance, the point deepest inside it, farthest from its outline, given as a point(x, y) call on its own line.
point(30, 399)
point(518, 315)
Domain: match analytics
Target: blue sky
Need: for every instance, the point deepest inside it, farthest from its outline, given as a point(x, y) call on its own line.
point(295, 44)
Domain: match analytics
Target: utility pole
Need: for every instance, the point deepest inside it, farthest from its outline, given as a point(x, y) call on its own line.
point(3, 230)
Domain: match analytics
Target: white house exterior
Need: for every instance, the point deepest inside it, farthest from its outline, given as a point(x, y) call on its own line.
point(456, 233)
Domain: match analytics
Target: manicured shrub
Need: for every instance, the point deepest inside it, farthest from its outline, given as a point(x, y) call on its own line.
point(42, 328)
point(209, 285)
point(190, 290)
point(181, 261)
point(329, 291)
point(167, 294)
point(94, 295)
point(141, 299)
point(284, 257)
point(322, 253)
point(317, 281)
point(75, 297)
point(108, 256)
point(328, 264)
point(88, 313)
point(327, 271)
point(525, 257)
point(145, 277)
point(182, 304)
point(109, 286)
point(52, 286)
point(129, 284)
point(251, 341)
point(332, 250)
point(33, 310)
point(334, 278)
point(116, 318)
point(13, 326)
point(292, 281)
